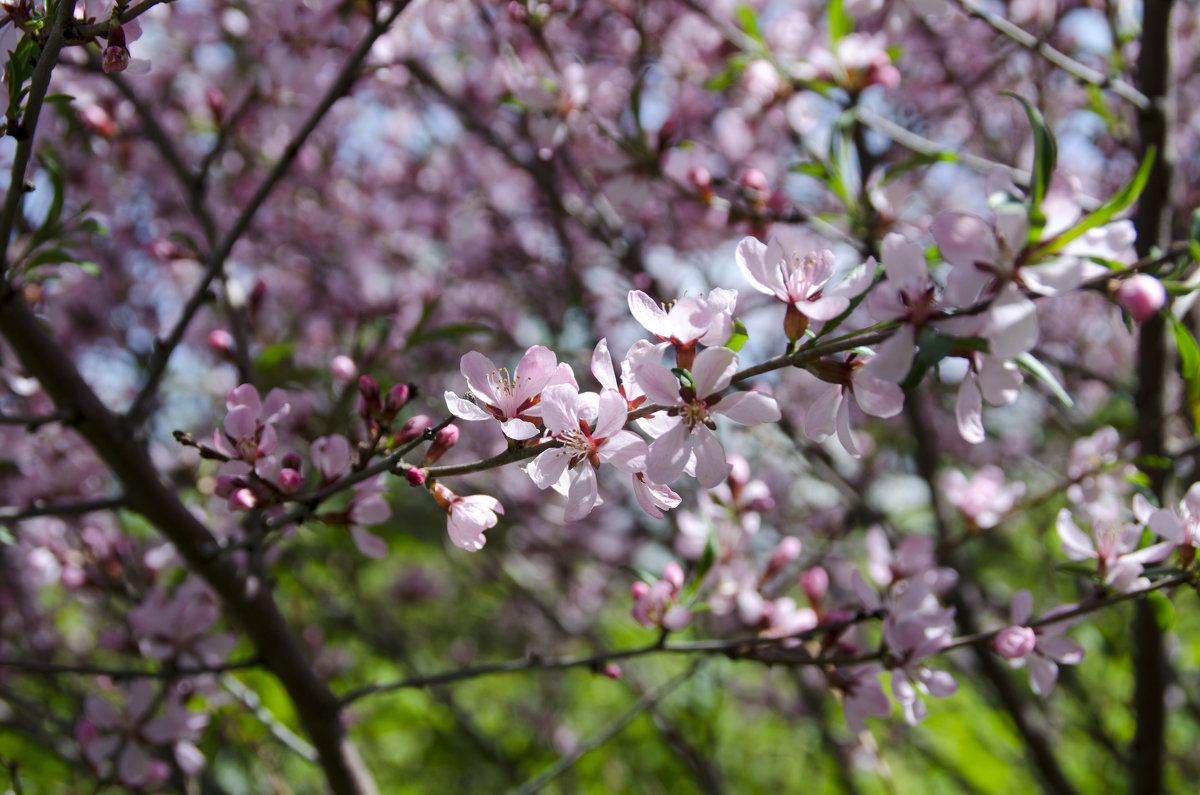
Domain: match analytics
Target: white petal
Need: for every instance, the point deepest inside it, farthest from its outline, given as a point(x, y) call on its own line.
point(968, 410)
point(465, 409)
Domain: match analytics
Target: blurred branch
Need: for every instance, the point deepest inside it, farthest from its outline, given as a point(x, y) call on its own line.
point(1056, 57)
point(345, 80)
point(80, 32)
point(39, 83)
point(35, 421)
point(647, 701)
point(60, 509)
point(166, 672)
point(1153, 222)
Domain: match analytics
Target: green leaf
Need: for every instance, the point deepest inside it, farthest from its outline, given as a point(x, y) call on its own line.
point(274, 355)
point(740, 335)
point(90, 268)
point(1030, 364)
point(1045, 157)
point(1189, 353)
point(813, 169)
point(6, 538)
point(1163, 610)
point(841, 24)
point(748, 20)
point(1160, 462)
point(59, 98)
point(1126, 196)
point(707, 559)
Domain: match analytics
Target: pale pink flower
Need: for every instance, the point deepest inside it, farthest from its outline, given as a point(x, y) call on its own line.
point(688, 321)
point(177, 628)
point(249, 431)
point(571, 468)
point(1181, 525)
point(467, 517)
point(985, 498)
point(862, 694)
point(1040, 647)
point(510, 399)
point(800, 281)
point(1115, 550)
point(606, 373)
point(331, 456)
point(692, 408)
point(829, 411)
point(655, 604)
point(654, 498)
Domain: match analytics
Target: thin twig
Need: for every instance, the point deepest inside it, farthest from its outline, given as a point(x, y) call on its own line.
point(166, 672)
point(1056, 57)
point(340, 87)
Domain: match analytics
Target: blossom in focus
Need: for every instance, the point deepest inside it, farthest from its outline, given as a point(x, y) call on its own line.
point(511, 399)
point(571, 468)
point(249, 431)
point(799, 281)
point(467, 517)
point(688, 321)
point(829, 412)
point(692, 408)
point(1040, 647)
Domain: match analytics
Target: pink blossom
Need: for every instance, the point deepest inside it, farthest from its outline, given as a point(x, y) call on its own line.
point(829, 411)
point(800, 281)
point(985, 498)
point(512, 400)
point(249, 433)
point(688, 321)
point(1040, 647)
point(1180, 525)
point(571, 468)
point(467, 517)
point(655, 604)
point(692, 407)
point(1115, 550)
point(331, 456)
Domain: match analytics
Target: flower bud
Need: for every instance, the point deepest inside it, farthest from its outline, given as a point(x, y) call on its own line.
point(815, 583)
point(756, 181)
point(290, 480)
point(413, 429)
point(116, 54)
point(1141, 295)
point(415, 477)
point(221, 341)
point(443, 440)
point(611, 670)
point(370, 405)
point(397, 397)
point(343, 368)
point(1012, 643)
point(785, 553)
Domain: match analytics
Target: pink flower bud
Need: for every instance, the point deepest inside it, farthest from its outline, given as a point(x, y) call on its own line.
point(415, 477)
point(756, 181)
point(216, 102)
point(290, 481)
point(443, 440)
point(701, 179)
point(343, 368)
point(413, 429)
point(371, 404)
point(815, 583)
point(397, 397)
point(785, 553)
point(611, 670)
point(221, 341)
point(639, 589)
point(1141, 295)
point(116, 54)
point(243, 499)
point(1012, 643)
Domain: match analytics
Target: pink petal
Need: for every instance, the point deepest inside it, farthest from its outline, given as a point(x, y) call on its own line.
point(668, 455)
point(465, 409)
point(968, 410)
point(751, 257)
point(1076, 544)
point(748, 408)
point(1021, 608)
point(368, 543)
point(712, 370)
point(647, 312)
point(660, 384)
point(711, 465)
point(583, 495)
point(964, 239)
